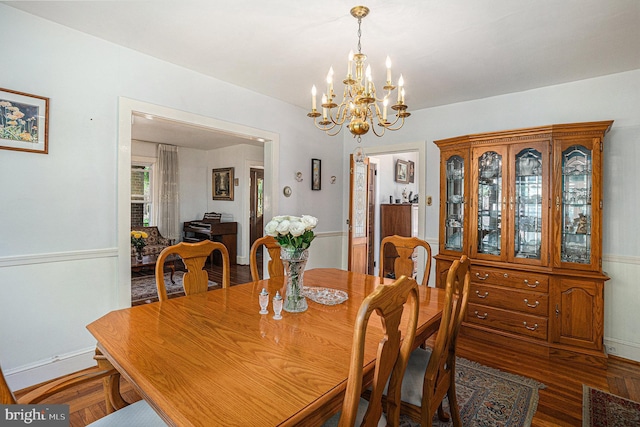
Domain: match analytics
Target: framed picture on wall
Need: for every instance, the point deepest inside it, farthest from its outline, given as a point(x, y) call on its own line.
point(222, 180)
point(316, 174)
point(412, 170)
point(402, 171)
point(24, 121)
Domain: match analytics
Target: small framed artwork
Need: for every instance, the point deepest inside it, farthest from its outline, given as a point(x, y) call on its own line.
point(402, 171)
point(316, 174)
point(223, 184)
point(412, 170)
point(24, 122)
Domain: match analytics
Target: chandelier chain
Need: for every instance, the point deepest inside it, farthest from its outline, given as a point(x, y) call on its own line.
point(359, 35)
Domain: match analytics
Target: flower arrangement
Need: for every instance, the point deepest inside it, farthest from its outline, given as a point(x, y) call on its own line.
point(292, 232)
point(137, 240)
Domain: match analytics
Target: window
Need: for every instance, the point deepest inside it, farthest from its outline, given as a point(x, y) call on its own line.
point(141, 194)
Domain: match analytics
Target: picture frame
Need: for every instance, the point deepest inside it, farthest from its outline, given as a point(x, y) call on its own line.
point(412, 171)
point(222, 183)
point(316, 174)
point(24, 122)
point(402, 172)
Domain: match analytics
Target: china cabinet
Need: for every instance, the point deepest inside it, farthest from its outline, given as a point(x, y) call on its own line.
point(526, 206)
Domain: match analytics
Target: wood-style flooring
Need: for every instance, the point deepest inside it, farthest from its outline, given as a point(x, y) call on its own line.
point(560, 402)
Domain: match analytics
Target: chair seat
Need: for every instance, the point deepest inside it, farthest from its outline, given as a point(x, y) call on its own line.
point(138, 414)
point(413, 380)
point(362, 408)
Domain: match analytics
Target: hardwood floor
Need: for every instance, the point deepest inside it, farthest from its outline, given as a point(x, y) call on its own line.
point(560, 402)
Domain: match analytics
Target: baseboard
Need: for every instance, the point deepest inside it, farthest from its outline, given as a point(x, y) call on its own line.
point(622, 349)
point(45, 370)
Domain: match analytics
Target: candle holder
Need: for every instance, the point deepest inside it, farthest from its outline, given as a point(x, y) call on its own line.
point(277, 306)
point(264, 301)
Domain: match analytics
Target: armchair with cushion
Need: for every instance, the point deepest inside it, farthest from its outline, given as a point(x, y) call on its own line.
point(155, 242)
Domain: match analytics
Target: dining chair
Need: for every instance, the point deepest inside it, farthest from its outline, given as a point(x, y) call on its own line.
point(394, 348)
point(430, 374)
point(194, 255)
point(138, 414)
point(274, 266)
point(403, 264)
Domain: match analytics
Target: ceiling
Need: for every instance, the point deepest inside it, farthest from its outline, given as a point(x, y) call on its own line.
point(447, 51)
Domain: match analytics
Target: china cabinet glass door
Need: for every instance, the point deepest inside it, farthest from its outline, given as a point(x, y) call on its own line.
point(454, 203)
point(576, 205)
point(528, 204)
point(491, 202)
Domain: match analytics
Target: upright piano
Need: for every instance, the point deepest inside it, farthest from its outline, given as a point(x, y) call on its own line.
point(212, 228)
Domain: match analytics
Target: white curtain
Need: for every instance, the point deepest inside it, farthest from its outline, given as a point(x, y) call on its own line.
point(168, 211)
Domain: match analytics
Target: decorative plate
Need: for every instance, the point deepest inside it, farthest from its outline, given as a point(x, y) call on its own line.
point(326, 296)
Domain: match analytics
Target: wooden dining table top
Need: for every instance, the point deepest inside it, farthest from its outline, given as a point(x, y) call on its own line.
point(211, 359)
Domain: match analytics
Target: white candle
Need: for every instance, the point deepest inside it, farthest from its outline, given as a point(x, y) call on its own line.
point(402, 98)
point(324, 110)
point(400, 84)
point(313, 97)
point(384, 111)
point(388, 64)
point(368, 75)
point(350, 65)
point(330, 82)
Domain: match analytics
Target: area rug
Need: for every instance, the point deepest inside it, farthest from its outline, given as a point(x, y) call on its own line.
point(143, 289)
point(488, 397)
point(602, 409)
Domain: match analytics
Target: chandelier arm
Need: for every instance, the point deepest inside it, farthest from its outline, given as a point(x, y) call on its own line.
point(373, 128)
point(401, 124)
point(336, 132)
point(324, 128)
point(340, 116)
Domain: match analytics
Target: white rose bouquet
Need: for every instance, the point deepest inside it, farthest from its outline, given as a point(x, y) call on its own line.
point(291, 231)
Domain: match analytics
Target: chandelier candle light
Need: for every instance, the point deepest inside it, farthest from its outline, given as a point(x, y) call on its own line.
point(360, 105)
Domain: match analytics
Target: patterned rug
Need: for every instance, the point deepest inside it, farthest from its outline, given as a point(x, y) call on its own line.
point(144, 291)
point(488, 397)
point(602, 409)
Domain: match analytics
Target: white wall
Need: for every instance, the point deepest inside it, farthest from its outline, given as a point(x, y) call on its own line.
point(59, 265)
point(614, 97)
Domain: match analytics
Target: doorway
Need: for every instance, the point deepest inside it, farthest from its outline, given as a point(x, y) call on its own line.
point(256, 209)
point(128, 107)
point(387, 173)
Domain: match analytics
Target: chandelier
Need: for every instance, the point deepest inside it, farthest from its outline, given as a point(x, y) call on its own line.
point(360, 107)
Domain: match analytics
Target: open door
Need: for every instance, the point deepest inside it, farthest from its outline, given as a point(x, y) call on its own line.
point(257, 202)
point(358, 216)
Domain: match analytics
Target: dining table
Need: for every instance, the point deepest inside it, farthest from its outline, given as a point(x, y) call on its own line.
point(212, 359)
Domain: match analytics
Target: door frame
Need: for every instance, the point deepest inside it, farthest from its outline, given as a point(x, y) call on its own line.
point(421, 148)
point(126, 107)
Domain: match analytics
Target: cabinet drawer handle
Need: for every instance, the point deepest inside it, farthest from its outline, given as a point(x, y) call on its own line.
point(482, 316)
point(526, 301)
point(482, 278)
point(531, 328)
point(506, 276)
point(534, 285)
point(486, 294)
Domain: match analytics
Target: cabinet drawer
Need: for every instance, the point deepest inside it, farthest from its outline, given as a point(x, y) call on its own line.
point(511, 321)
point(510, 299)
point(513, 279)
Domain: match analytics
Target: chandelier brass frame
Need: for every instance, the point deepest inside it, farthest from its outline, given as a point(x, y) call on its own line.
point(360, 104)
